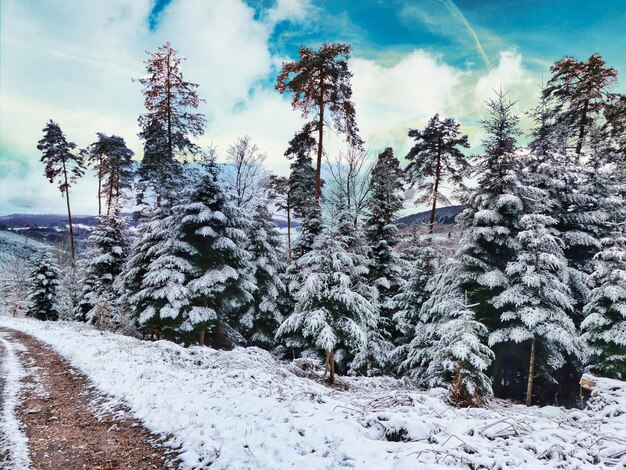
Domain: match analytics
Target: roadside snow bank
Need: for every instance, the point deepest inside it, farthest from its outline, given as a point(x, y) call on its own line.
point(13, 441)
point(243, 409)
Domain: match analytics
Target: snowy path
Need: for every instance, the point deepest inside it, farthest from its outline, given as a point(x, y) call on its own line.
point(68, 424)
point(13, 442)
point(243, 409)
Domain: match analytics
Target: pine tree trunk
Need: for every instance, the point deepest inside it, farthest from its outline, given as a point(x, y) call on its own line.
point(433, 211)
point(100, 188)
point(581, 132)
point(110, 198)
point(320, 138)
point(201, 336)
point(288, 235)
point(531, 373)
point(69, 217)
point(330, 358)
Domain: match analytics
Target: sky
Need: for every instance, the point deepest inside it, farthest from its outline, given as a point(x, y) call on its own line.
point(75, 61)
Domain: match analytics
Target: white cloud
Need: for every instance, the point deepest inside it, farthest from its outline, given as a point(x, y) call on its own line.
point(74, 62)
point(389, 100)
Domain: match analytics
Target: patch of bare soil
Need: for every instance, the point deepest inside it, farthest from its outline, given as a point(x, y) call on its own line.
point(66, 431)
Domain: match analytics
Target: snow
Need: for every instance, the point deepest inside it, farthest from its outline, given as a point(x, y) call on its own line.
point(13, 441)
point(244, 409)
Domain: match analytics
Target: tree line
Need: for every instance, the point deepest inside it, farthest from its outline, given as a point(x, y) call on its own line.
point(533, 293)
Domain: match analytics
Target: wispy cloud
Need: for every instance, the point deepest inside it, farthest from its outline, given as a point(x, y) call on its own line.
point(457, 13)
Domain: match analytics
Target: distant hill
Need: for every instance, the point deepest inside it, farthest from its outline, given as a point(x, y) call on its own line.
point(443, 216)
point(14, 245)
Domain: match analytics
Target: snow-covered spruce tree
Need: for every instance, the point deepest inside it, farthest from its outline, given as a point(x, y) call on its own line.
point(436, 156)
point(302, 187)
point(222, 288)
point(537, 299)
point(489, 226)
point(448, 348)
point(62, 166)
point(419, 263)
point(374, 359)
point(154, 282)
point(42, 291)
point(551, 168)
point(329, 308)
point(604, 325)
point(103, 263)
point(384, 203)
point(264, 316)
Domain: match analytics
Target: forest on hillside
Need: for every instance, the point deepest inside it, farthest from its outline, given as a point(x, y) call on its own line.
point(528, 295)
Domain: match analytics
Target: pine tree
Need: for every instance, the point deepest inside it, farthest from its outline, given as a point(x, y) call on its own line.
point(280, 193)
point(448, 347)
point(62, 166)
point(111, 159)
point(537, 299)
point(170, 122)
point(434, 157)
point(320, 83)
point(213, 227)
point(170, 103)
point(604, 325)
point(42, 292)
point(264, 316)
point(579, 92)
point(103, 264)
point(329, 310)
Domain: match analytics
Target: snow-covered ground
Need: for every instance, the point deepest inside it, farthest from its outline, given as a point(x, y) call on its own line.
point(243, 409)
point(13, 441)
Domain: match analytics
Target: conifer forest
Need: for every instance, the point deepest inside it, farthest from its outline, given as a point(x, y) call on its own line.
point(211, 294)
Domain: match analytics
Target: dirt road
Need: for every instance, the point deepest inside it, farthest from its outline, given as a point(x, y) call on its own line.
point(68, 424)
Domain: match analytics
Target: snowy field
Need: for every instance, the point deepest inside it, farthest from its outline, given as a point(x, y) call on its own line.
point(243, 409)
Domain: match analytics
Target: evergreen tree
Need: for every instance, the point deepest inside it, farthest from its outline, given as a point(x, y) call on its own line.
point(104, 262)
point(265, 316)
point(111, 159)
point(448, 348)
point(170, 103)
point(434, 157)
point(489, 226)
point(42, 291)
point(374, 359)
point(419, 266)
point(385, 201)
point(565, 183)
point(329, 308)
point(537, 299)
point(281, 194)
point(222, 286)
point(154, 282)
point(170, 122)
point(320, 83)
point(604, 325)
point(62, 166)
point(579, 92)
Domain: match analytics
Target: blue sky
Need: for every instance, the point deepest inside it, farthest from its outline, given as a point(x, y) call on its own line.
point(74, 61)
